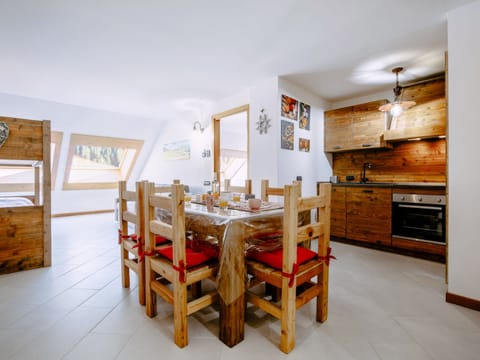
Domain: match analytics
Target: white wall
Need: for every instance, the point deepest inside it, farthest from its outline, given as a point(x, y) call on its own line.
point(192, 171)
point(463, 135)
point(73, 119)
point(263, 147)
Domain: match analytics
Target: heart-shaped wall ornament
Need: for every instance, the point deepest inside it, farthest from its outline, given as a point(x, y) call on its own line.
point(4, 132)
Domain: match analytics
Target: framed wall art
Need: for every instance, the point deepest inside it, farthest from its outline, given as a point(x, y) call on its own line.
point(304, 145)
point(178, 150)
point(289, 108)
point(287, 134)
point(304, 121)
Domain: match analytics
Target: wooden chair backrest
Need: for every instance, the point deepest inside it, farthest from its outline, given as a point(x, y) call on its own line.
point(246, 189)
point(126, 215)
point(267, 190)
point(295, 232)
point(155, 198)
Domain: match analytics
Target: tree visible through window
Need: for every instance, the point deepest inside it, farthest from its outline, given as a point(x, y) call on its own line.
point(99, 162)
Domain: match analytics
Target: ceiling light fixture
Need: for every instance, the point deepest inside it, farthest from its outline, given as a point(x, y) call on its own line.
point(397, 107)
point(198, 127)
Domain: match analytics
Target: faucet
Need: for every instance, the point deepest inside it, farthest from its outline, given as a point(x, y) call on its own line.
point(367, 165)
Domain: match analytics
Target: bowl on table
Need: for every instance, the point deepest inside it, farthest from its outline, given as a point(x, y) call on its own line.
point(254, 204)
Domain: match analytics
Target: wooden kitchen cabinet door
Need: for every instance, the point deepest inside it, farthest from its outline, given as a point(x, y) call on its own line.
point(368, 125)
point(427, 119)
point(338, 129)
point(369, 214)
point(338, 212)
point(355, 127)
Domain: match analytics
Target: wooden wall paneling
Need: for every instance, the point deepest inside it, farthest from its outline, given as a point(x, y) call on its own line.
point(413, 161)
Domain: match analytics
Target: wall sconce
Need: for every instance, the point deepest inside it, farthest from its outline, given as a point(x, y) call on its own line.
point(198, 127)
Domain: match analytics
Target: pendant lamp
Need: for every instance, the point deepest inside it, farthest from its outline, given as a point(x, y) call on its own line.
point(397, 107)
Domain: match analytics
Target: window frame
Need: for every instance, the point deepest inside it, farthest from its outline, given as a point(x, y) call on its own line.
point(102, 141)
point(56, 137)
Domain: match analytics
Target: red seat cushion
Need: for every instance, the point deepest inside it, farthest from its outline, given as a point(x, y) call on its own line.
point(160, 240)
point(193, 258)
point(274, 258)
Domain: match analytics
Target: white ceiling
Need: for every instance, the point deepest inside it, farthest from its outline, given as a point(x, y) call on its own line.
point(159, 58)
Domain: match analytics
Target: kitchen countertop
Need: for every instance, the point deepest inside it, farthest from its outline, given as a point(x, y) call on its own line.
point(429, 185)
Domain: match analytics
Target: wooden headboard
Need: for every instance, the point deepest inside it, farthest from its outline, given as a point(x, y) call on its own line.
point(25, 232)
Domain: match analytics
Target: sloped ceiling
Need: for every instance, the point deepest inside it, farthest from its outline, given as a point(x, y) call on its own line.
point(157, 58)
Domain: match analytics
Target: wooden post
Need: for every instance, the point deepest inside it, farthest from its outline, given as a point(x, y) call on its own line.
point(46, 192)
point(323, 215)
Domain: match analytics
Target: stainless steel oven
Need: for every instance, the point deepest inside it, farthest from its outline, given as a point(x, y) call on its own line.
point(419, 217)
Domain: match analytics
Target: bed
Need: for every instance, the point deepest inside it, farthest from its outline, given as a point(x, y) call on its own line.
point(25, 211)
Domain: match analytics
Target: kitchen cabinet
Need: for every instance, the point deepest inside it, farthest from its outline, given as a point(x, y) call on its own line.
point(363, 214)
point(355, 127)
point(427, 119)
point(369, 214)
point(338, 222)
point(338, 129)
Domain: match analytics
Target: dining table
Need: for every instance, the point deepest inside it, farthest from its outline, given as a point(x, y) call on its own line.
point(235, 230)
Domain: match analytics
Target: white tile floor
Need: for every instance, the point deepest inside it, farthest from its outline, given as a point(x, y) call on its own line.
point(382, 306)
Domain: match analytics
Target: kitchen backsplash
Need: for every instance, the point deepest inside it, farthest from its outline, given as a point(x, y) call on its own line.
point(412, 161)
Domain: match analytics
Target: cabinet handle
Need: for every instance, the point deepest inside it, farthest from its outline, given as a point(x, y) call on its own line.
point(337, 147)
point(367, 145)
point(367, 191)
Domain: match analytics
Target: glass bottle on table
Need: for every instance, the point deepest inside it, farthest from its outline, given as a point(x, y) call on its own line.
point(215, 186)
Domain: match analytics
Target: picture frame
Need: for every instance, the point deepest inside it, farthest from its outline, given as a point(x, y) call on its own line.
point(289, 108)
point(287, 134)
point(304, 116)
point(178, 150)
point(304, 145)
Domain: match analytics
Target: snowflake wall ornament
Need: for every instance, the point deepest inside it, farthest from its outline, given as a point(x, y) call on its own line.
point(263, 122)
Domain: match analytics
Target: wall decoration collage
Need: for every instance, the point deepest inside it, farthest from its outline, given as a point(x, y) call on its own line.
point(299, 112)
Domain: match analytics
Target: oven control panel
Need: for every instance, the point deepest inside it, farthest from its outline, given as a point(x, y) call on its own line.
point(419, 199)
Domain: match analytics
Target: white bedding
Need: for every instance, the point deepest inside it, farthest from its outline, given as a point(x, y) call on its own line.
point(13, 201)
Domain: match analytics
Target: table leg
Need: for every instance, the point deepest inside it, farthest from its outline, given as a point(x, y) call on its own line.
point(232, 321)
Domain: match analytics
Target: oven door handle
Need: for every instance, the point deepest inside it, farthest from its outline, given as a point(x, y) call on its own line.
point(420, 207)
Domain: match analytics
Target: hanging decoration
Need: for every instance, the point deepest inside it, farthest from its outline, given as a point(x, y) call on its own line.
point(263, 122)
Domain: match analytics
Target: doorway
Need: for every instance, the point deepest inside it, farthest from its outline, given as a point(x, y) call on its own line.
point(231, 144)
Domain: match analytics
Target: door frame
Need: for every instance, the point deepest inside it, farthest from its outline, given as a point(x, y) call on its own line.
point(216, 136)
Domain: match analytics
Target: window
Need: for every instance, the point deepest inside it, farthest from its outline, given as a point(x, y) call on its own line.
point(97, 162)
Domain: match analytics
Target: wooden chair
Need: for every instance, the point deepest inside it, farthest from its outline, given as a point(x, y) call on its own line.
point(131, 243)
point(171, 269)
point(267, 190)
point(292, 267)
point(247, 189)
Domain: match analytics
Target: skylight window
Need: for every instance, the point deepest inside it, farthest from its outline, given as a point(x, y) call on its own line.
point(96, 162)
